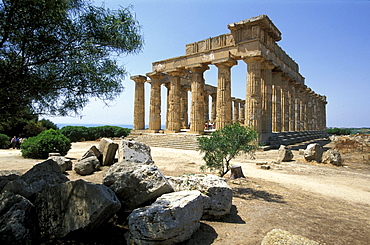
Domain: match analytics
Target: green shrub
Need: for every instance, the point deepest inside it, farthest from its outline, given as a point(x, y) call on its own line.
point(80, 133)
point(40, 146)
point(338, 131)
point(4, 141)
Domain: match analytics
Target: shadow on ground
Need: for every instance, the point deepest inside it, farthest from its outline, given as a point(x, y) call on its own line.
point(251, 194)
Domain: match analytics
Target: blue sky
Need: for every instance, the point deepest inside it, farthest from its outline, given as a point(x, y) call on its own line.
point(330, 41)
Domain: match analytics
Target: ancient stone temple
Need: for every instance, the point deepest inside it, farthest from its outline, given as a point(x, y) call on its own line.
point(277, 102)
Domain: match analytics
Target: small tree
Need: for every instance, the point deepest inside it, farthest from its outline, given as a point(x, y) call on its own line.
point(225, 144)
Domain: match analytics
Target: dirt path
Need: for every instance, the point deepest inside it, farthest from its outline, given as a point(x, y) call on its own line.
point(324, 203)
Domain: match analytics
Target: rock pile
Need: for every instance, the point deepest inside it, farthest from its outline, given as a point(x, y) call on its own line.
point(44, 203)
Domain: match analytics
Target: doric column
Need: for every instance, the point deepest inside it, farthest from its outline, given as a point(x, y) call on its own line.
point(236, 103)
point(197, 99)
point(168, 87)
point(174, 124)
point(291, 92)
point(276, 102)
point(253, 101)
point(323, 113)
point(285, 102)
point(267, 98)
point(206, 106)
point(302, 110)
point(242, 112)
point(297, 107)
point(184, 107)
point(224, 105)
point(155, 101)
point(139, 103)
point(214, 107)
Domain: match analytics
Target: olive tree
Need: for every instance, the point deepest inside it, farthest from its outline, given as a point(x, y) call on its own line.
point(57, 55)
point(224, 144)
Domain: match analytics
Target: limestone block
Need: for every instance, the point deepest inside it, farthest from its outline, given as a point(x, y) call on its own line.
point(171, 219)
point(42, 175)
point(74, 205)
point(135, 183)
point(108, 149)
point(332, 157)
point(93, 151)
point(17, 225)
point(313, 152)
point(133, 151)
point(277, 236)
point(64, 163)
point(284, 154)
point(87, 165)
point(217, 193)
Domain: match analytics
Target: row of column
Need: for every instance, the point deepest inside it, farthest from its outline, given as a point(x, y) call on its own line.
point(274, 101)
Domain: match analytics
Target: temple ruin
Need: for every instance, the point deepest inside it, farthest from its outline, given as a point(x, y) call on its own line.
point(277, 104)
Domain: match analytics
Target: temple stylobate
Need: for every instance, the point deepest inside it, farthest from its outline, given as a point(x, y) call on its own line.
point(277, 101)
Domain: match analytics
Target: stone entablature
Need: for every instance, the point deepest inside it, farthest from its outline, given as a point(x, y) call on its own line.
point(277, 99)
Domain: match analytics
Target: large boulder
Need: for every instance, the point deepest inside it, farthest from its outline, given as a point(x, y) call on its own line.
point(8, 175)
point(332, 157)
point(64, 163)
point(87, 165)
point(217, 193)
point(277, 236)
point(284, 154)
point(313, 152)
point(17, 223)
point(133, 151)
point(93, 151)
point(171, 219)
point(74, 205)
point(136, 184)
point(42, 175)
point(108, 148)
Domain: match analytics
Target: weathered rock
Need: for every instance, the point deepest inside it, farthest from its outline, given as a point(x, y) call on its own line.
point(133, 151)
point(42, 175)
point(332, 157)
point(277, 237)
point(17, 223)
point(135, 183)
point(64, 163)
point(74, 205)
point(171, 219)
point(284, 154)
point(313, 152)
point(217, 193)
point(87, 165)
point(93, 151)
point(8, 175)
point(266, 167)
point(108, 149)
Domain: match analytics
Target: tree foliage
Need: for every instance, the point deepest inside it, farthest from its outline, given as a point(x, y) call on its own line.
point(225, 144)
point(57, 55)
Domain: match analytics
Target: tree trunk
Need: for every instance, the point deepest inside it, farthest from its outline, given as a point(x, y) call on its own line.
point(236, 172)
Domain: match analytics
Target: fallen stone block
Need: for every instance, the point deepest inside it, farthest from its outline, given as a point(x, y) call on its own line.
point(87, 165)
point(133, 151)
point(171, 219)
point(284, 154)
point(332, 157)
point(64, 163)
point(266, 167)
point(313, 152)
point(108, 148)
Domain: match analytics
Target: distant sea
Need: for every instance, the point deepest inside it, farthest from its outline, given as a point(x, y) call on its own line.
point(61, 125)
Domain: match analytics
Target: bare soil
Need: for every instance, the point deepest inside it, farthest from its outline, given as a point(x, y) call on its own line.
point(322, 202)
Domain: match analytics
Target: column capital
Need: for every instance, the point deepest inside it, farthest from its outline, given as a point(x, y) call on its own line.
point(253, 59)
point(139, 78)
point(156, 75)
point(200, 67)
point(229, 62)
point(176, 72)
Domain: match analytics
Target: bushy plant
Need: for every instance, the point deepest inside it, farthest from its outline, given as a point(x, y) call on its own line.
point(338, 131)
point(4, 141)
point(76, 133)
point(225, 144)
point(40, 146)
point(48, 124)
point(79, 133)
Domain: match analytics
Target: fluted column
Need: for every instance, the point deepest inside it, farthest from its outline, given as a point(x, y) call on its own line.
point(276, 102)
point(174, 124)
point(184, 107)
point(297, 107)
point(214, 107)
point(206, 106)
point(253, 101)
point(197, 99)
point(242, 112)
point(139, 103)
point(155, 101)
point(303, 112)
point(291, 92)
point(224, 105)
point(285, 106)
point(236, 110)
point(267, 98)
